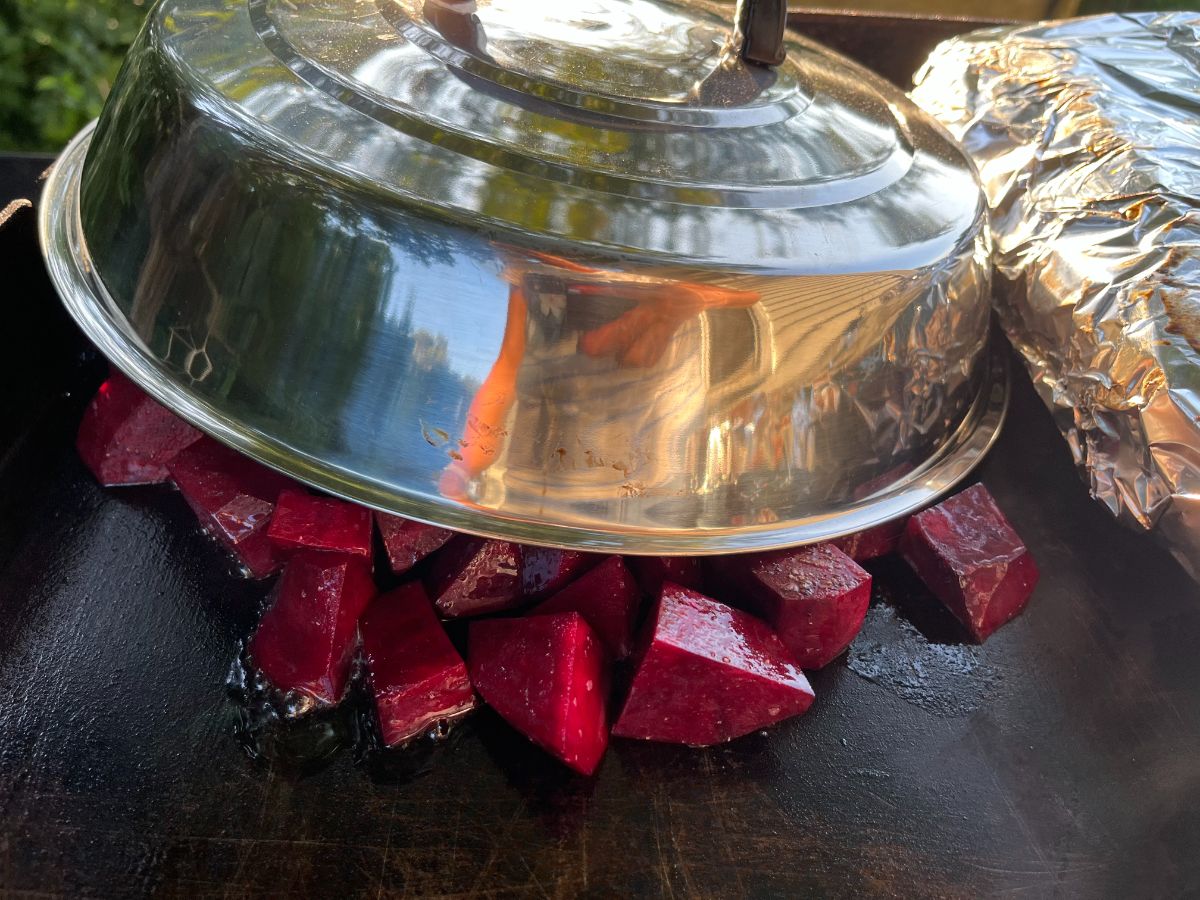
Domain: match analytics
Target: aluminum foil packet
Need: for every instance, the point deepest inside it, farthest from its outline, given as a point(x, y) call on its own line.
point(1087, 137)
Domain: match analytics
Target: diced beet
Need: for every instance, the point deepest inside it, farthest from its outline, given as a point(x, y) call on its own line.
point(303, 521)
point(417, 676)
point(652, 571)
point(607, 597)
point(815, 597)
point(545, 570)
point(707, 673)
point(306, 640)
point(126, 437)
point(548, 677)
point(408, 542)
point(873, 542)
point(969, 556)
point(233, 497)
point(472, 576)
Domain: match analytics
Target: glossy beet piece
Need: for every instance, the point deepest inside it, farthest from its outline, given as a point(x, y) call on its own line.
point(652, 571)
point(417, 676)
point(882, 540)
point(607, 597)
point(303, 521)
point(815, 597)
point(234, 498)
point(707, 673)
point(472, 576)
point(545, 570)
point(969, 556)
point(126, 437)
point(408, 542)
point(547, 676)
point(306, 640)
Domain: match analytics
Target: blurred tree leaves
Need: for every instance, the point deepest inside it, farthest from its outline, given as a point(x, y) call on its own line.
point(58, 59)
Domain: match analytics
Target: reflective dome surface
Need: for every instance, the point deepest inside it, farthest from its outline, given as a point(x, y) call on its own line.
point(571, 273)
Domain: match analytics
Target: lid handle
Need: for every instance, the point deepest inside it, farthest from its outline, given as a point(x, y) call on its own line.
point(760, 25)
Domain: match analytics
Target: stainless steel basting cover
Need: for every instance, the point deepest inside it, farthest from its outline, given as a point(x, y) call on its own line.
point(574, 273)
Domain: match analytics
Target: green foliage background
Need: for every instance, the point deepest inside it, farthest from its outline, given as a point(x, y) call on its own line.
point(58, 58)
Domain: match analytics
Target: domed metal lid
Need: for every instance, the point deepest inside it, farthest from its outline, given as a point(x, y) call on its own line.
point(628, 125)
point(612, 274)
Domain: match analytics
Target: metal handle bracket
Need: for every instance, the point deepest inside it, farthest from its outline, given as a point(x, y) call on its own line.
point(762, 24)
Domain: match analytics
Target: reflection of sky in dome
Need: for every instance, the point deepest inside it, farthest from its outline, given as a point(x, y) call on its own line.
point(476, 337)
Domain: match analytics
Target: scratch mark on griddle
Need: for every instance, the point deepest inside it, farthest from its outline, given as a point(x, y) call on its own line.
point(664, 870)
point(1016, 814)
point(583, 849)
point(387, 848)
point(499, 841)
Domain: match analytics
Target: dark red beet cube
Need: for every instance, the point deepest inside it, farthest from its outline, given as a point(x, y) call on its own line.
point(233, 497)
point(607, 597)
point(969, 556)
point(545, 570)
point(708, 673)
point(417, 676)
point(873, 542)
point(408, 542)
point(126, 437)
point(306, 640)
point(472, 576)
point(815, 597)
point(548, 677)
point(652, 571)
point(303, 521)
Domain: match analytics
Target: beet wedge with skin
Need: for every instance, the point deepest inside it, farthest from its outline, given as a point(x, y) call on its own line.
point(126, 437)
point(408, 542)
point(814, 597)
point(472, 576)
point(882, 540)
point(706, 673)
point(547, 676)
point(971, 558)
point(234, 498)
point(417, 677)
point(652, 571)
point(545, 570)
point(608, 598)
point(307, 638)
point(303, 521)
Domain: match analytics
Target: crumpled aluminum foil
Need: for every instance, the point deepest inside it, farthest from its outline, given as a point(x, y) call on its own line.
point(1087, 138)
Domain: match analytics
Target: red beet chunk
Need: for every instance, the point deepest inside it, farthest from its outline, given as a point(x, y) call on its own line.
point(233, 497)
point(545, 570)
point(707, 673)
point(607, 598)
point(873, 542)
point(548, 677)
point(472, 576)
point(408, 542)
point(307, 638)
point(416, 675)
point(815, 597)
point(969, 556)
point(652, 571)
point(302, 521)
point(126, 437)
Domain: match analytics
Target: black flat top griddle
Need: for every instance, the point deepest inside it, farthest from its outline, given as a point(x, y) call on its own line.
point(1061, 759)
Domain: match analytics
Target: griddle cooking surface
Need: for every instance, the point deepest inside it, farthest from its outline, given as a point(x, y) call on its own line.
point(1059, 759)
